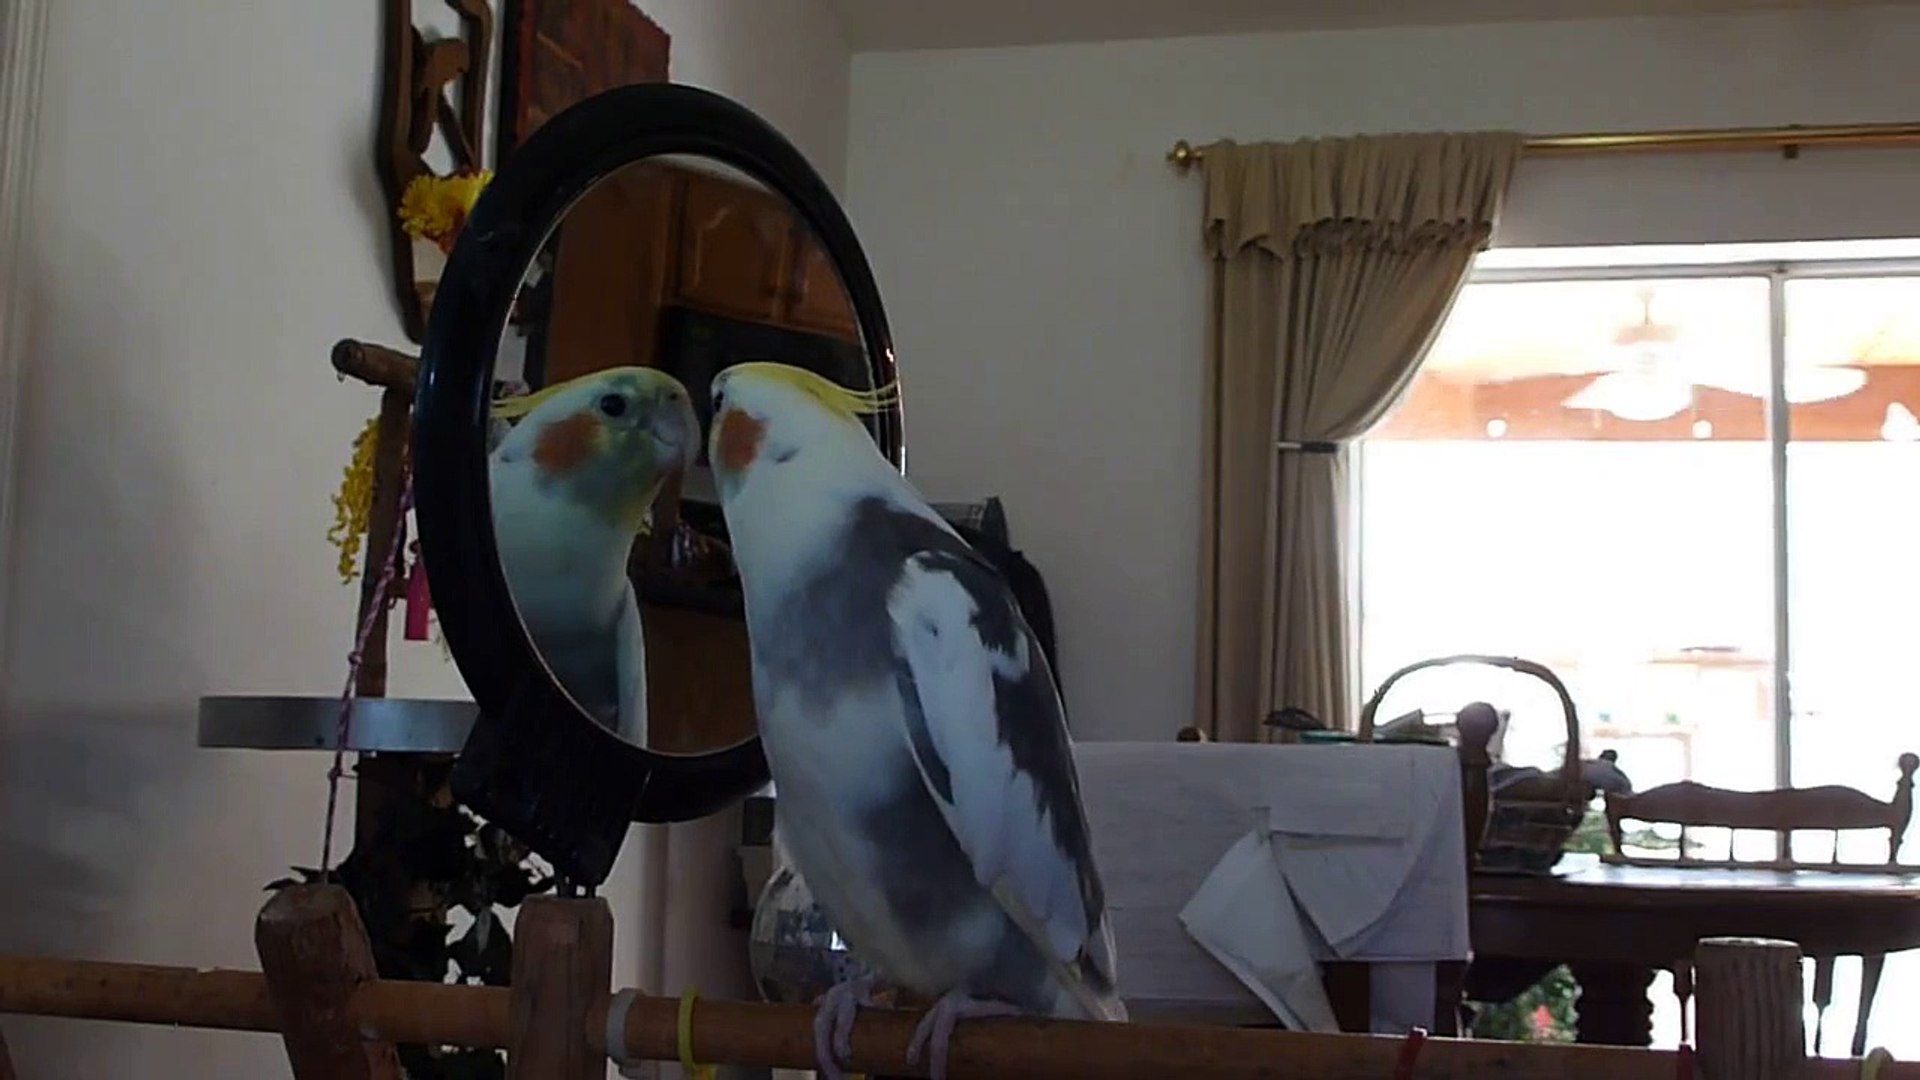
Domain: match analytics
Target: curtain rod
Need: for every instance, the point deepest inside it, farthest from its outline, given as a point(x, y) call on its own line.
point(1788, 140)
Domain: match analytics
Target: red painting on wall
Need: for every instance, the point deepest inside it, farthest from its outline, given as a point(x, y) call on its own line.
point(557, 52)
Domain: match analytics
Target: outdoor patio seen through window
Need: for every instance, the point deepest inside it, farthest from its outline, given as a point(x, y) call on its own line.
point(1691, 492)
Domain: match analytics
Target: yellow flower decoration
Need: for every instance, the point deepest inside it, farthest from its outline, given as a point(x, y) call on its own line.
point(435, 207)
point(353, 503)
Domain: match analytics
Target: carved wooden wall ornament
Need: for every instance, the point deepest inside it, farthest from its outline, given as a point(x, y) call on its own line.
point(417, 100)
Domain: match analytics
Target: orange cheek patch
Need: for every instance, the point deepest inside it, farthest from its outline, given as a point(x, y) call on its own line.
point(566, 444)
point(740, 436)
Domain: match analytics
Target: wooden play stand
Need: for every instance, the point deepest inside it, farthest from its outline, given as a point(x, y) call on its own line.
point(560, 1022)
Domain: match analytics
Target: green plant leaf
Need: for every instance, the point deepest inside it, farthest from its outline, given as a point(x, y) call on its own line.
point(1521, 1020)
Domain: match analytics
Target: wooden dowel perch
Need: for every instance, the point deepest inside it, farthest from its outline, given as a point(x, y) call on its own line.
point(383, 524)
point(339, 1020)
point(396, 373)
point(376, 365)
point(781, 1036)
point(392, 1011)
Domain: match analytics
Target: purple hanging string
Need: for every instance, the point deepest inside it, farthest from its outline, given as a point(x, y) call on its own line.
point(381, 592)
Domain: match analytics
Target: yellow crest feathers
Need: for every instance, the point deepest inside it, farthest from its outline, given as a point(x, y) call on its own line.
point(837, 399)
point(515, 407)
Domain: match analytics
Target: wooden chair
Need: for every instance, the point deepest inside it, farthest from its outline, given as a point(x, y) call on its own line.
point(1783, 812)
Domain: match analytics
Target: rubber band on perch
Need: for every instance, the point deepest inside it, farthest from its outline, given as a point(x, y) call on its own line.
point(1877, 1058)
point(617, 1010)
point(685, 1029)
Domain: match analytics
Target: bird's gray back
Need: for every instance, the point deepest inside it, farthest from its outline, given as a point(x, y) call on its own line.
point(832, 636)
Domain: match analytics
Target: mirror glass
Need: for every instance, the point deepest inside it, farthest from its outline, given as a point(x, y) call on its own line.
point(605, 517)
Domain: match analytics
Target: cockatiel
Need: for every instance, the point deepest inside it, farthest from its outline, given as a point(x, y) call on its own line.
point(926, 786)
point(573, 484)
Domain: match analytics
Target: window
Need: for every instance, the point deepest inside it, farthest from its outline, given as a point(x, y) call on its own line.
point(1690, 489)
point(1853, 538)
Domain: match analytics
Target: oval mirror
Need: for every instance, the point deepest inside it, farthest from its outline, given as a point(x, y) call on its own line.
point(632, 248)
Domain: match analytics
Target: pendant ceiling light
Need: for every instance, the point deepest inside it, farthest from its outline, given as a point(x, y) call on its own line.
point(1644, 389)
point(1655, 379)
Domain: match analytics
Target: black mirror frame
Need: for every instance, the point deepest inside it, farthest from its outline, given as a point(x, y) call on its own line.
point(534, 763)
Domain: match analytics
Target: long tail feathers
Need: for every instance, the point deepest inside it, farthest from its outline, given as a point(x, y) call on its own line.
point(1095, 971)
point(1095, 997)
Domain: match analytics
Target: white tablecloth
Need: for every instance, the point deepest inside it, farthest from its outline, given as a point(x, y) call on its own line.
point(1276, 856)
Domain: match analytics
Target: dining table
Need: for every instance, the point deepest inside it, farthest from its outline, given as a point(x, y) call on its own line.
point(1616, 925)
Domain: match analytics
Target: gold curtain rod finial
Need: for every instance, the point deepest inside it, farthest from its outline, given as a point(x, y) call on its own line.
point(1183, 156)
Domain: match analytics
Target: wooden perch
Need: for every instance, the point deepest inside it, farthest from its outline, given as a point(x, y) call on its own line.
point(562, 968)
point(1749, 1012)
point(315, 954)
point(391, 1011)
point(376, 365)
point(384, 525)
point(781, 1036)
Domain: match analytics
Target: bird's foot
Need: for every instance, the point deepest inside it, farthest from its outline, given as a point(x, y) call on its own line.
point(935, 1029)
point(833, 1023)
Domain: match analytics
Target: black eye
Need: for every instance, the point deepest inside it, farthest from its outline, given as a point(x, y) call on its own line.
point(613, 405)
point(719, 400)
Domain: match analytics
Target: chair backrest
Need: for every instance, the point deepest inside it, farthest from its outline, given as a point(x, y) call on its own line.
point(1830, 808)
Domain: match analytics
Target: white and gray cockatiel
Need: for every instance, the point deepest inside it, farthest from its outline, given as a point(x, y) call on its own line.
point(573, 484)
point(925, 782)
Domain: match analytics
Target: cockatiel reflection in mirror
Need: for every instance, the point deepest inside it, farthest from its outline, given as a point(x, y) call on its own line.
point(925, 782)
point(573, 483)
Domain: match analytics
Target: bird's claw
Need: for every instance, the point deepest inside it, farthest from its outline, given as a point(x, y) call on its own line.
point(833, 1023)
point(935, 1029)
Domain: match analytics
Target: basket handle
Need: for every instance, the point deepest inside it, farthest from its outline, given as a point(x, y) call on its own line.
point(1569, 769)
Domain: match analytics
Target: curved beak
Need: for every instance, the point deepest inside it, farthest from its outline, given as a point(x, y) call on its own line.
point(678, 431)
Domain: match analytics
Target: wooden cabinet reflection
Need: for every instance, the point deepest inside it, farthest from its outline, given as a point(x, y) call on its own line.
point(658, 235)
point(819, 303)
point(651, 238)
point(699, 680)
point(611, 274)
point(735, 249)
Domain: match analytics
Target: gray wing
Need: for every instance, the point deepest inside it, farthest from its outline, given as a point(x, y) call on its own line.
point(988, 732)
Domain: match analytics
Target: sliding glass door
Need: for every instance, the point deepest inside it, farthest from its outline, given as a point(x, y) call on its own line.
point(1853, 534)
point(1693, 494)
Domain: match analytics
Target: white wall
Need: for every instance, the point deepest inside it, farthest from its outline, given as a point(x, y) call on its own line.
point(785, 59)
point(207, 225)
point(1042, 268)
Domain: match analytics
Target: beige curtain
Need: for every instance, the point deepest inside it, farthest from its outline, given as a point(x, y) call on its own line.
point(1334, 263)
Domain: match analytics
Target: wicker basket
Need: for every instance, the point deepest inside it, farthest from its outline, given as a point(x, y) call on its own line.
point(1528, 823)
